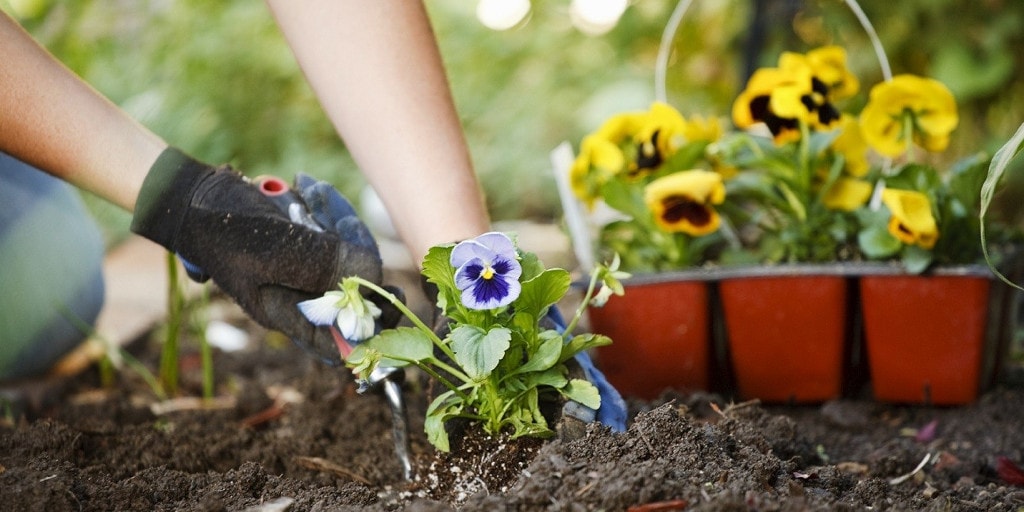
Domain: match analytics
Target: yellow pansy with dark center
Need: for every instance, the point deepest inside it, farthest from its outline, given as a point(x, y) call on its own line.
point(828, 65)
point(908, 109)
point(912, 221)
point(681, 202)
point(648, 157)
point(801, 88)
point(658, 137)
point(754, 103)
point(814, 99)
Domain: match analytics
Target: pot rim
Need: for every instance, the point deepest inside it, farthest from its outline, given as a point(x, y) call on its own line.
point(843, 269)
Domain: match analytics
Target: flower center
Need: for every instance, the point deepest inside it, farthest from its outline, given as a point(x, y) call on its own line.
point(487, 272)
point(679, 208)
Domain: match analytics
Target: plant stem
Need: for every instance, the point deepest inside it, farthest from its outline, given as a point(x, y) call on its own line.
point(408, 314)
point(450, 369)
point(908, 135)
point(583, 304)
point(205, 351)
point(447, 383)
point(169, 354)
point(496, 408)
point(107, 373)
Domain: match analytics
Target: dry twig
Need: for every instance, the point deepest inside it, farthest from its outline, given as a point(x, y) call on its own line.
point(319, 464)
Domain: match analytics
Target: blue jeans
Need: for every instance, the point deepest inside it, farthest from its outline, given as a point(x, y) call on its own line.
point(51, 282)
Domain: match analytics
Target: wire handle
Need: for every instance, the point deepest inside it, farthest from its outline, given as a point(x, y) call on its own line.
point(672, 27)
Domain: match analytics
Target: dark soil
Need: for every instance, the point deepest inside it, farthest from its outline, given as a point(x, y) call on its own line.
point(294, 435)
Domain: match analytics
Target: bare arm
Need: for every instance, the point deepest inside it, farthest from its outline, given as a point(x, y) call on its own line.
point(54, 121)
point(376, 69)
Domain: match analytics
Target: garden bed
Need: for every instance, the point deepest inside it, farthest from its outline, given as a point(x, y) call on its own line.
point(290, 434)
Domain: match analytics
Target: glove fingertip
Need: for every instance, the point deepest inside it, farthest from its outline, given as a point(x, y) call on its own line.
point(325, 203)
point(303, 181)
point(352, 230)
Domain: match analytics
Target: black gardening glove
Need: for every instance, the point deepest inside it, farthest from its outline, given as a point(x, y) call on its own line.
point(226, 228)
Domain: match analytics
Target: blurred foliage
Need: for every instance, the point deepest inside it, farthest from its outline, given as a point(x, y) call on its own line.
point(217, 79)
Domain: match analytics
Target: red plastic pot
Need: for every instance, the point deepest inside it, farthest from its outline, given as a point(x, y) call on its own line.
point(661, 337)
point(786, 334)
point(925, 336)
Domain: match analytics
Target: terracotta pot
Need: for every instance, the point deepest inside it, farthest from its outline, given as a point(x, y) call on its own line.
point(661, 334)
point(925, 336)
point(786, 334)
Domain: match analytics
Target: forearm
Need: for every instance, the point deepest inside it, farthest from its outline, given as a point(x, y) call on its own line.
point(56, 122)
point(376, 70)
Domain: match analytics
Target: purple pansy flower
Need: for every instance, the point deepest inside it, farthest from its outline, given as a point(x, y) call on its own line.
point(487, 271)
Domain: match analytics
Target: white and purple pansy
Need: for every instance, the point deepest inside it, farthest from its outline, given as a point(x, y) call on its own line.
point(487, 271)
point(348, 309)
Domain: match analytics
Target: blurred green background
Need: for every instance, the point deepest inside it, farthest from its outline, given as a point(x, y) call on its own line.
point(216, 78)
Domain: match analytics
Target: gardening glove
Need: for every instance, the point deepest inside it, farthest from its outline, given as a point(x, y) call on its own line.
point(575, 416)
point(225, 228)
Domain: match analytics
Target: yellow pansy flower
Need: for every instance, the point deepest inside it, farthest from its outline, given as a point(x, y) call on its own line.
point(658, 136)
point(811, 100)
point(847, 194)
point(681, 202)
point(704, 129)
point(909, 108)
point(828, 64)
point(912, 221)
point(598, 161)
point(754, 103)
point(851, 144)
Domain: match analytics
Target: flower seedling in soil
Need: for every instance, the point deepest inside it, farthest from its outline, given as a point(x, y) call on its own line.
point(498, 356)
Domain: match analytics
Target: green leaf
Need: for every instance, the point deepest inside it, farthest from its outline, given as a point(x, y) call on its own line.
point(966, 178)
point(582, 391)
point(551, 377)
point(531, 265)
point(547, 354)
point(443, 408)
point(916, 259)
point(1000, 161)
point(478, 352)
point(403, 342)
point(877, 243)
point(624, 196)
point(542, 291)
point(582, 342)
point(437, 269)
point(685, 158)
point(820, 141)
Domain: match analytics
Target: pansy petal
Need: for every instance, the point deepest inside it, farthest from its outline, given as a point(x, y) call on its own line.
point(912, 221)
point(847, 194)
point(468, 250)
point(507, 267)
point(468, 273)
point(348, 324)
point(491, 293)
point(498, 242)
point(322, 310)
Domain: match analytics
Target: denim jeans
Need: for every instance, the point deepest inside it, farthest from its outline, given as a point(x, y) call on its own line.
point(51, 283)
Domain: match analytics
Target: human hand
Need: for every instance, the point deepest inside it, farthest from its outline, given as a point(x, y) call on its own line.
point(222, 224)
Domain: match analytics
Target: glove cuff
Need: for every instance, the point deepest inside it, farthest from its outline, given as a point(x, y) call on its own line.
point(165, 196)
